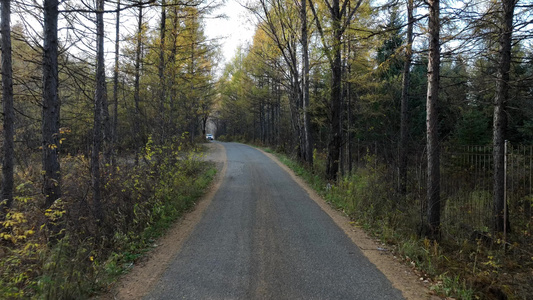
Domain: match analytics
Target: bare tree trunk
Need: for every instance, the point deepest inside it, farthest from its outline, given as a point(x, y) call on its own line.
point(115, 86)
point(500, 120)
point(171, 60)
point(349, 140)
point(433, 156)
point(99, 100)
point(51, 106)
point(332, 167)
point(404, 118)
point(272, 114)
point(192, 111)
point(162, 88)
point(9, 112)
point(136, 92)
point(107, 130)
point(106, 122)
point(308, 138)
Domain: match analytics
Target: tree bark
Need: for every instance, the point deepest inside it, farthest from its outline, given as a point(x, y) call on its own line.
point(9, 112)
point(191, 112)
point(162, 82)
point(433, 156)
point(99, 101)
point(308, 146)
point(404, 110)
point(51, 106)
point(332, 167)
point(115, 86)
point(500, 120)
point(136, 88)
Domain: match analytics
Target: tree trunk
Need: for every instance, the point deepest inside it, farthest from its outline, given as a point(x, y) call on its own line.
point(433, 156)
point(115, 86)
point(106, 121)
point(404, 118)
point(9, 112)
point(136, 89)
point(335, 141)
point(500, 120)
point(51, 107)
point(308, 138)
point(99, 100)
point(171, 61)
point(162, 87)
point(349, 140)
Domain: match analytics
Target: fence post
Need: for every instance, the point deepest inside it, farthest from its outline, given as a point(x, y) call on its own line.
point(505, 194)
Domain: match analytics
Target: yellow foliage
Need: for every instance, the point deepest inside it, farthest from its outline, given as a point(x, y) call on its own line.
point(15, 224)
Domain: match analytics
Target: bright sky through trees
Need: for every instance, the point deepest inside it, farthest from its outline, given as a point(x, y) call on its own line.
point(233, 31)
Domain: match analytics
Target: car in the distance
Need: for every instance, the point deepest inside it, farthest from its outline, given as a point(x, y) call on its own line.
point(209, 137)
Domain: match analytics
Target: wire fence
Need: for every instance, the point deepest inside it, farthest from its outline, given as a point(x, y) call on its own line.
point(466, 186)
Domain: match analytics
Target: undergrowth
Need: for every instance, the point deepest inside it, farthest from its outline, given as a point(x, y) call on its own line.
point(463, 268)
point(63, 253)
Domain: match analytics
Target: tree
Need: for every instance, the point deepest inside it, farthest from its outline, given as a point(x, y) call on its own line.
point(162, 81)
point(137, 132)
point(114, 126)
point(9, 112)
point(499, 120)
point(287, 27)
point(99, 102)
point(432, 135)
point(308, 157)
point(339, 26)
point(404, 102)
point(50, 106)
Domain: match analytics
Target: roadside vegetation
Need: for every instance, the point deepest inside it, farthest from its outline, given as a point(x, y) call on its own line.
point(473, 267)
point(99, 147)
point(63, 253)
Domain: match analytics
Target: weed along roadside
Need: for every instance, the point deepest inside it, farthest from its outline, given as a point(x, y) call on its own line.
point(64, 253)
point(472, 268)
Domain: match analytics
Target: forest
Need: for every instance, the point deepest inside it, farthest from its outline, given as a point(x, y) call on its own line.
point(414, 118)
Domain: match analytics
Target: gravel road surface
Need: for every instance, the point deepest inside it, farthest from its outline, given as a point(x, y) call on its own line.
point(262, 237)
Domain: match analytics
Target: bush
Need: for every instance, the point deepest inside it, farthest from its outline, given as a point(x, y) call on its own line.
point(63, 253)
